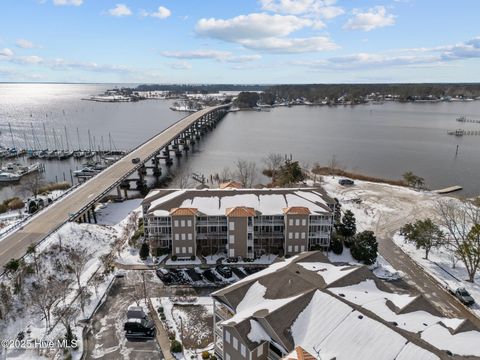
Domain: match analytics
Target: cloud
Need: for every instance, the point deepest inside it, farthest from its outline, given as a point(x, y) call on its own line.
point(161, 13)
point(67, 2)
point(62, 64)
point(6, 52)
point(180, 65)
point(436, 56)
point(25, 44)
point(222, 56)
point(371, 19)
point(265, 32)
point(120, 10)
point(318, 8)
point(30, 60)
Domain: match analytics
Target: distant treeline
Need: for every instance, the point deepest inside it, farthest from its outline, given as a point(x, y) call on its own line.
point(199, 89)
point(317, 92)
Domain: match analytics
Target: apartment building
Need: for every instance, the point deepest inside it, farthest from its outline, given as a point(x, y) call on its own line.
point(238, 222)
point(305, 307)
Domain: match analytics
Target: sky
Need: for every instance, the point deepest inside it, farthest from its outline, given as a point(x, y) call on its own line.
point(245, 42)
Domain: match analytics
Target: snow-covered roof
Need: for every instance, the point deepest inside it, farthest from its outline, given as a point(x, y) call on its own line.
point(341, 312)
point(215, 202)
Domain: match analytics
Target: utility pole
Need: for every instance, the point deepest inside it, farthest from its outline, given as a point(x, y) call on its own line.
point(144, 288)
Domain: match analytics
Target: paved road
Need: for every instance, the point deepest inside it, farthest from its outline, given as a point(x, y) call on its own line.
point(16, 244)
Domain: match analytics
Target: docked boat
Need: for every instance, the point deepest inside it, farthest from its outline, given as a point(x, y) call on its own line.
point(78, 154)
point(86, 171)
point(462, 118)
point(7, 177)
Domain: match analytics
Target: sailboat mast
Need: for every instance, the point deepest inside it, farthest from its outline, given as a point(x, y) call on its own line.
point(66, 138)
point(46, 138)
point(11, 134)
point(78, 139)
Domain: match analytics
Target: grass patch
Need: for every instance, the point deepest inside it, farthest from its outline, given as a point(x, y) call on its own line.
point(319, 170)
point(54, 186)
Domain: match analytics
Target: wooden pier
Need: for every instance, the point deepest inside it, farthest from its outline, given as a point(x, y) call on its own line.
point(460, 132)
point(448, 190)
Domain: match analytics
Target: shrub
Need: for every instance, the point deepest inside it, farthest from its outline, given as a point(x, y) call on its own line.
point(287, 256)
point(174, 257)
point(336, 246)
point(364, 247)
point(15, 204)
point(192, 258)
point(205, 355)
point(213, 357)
point(3, 208)
point(176, 346)
point(12, 265)
point(144, 251)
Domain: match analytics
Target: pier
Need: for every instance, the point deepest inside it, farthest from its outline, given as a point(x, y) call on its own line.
point(79, 204)
point(460, 132)
point(448, 190)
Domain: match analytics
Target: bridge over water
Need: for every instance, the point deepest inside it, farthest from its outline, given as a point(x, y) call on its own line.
point(79, 203)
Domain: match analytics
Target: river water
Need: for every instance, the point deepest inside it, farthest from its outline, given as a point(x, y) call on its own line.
point(381, 140)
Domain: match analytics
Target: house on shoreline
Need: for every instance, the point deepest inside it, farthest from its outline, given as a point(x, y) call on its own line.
point(305, 307)
point(237, 222)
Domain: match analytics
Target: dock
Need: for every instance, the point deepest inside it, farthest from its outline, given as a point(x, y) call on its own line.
point(448, 190)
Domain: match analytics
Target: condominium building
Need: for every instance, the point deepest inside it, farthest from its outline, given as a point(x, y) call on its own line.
point(238, 222)
point(307, 308)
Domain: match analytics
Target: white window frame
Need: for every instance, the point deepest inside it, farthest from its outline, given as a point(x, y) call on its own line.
point(290, 235)
point(243, 350)
point(231, 239)
point(297, 222)
point(296, 248)
point(227, 356)
point(175, 223)
point(177, 250)
point(189, 223)
point(304, 222)
point(302, 248)
point(177, 237)
point(290, 222)
point(297, 235)
point(235, 343)
point(190, 250)
point(289, 248)
point(227, 336)
point(260, 351)
point(182, 223)
point(231, 252)
point(190, 236)
point(184, 249)
point(303, 235)
point(184, 236)
point(231, 225)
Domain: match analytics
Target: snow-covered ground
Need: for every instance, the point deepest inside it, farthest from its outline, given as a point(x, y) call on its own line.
point(385, 208)
point(96, 241)
point(112, 213)
point(190, 314)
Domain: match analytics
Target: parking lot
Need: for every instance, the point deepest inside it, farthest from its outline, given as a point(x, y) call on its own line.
point(106, 339)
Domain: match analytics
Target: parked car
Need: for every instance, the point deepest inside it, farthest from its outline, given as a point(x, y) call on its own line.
point(464, 296)
point(135, 160)
point(346, 182)
point(120, 273)
point(139, 328)
point(225, 271)
point(136, 312)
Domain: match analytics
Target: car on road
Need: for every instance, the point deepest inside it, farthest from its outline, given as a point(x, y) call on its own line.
point(136, 312)
point(135, 160)
point(346, 182)
point(139, 328)
point(464, 296)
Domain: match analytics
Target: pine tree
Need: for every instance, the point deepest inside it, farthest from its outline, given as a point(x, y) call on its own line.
point(144, 251)
point(365, 247)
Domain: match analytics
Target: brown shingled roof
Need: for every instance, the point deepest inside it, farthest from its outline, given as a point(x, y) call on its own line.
point(302, 354)
point(296, 210)
point(183, 212)
point(240, 211)
point(231, 185)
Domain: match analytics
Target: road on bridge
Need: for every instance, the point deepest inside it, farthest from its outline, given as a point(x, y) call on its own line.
point(15, 245)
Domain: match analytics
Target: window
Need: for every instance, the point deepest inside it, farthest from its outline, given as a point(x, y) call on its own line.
point(260, 351)
point(231, 239)
point(189, 223)
point(302, 248)
point(190, 250)
point(297, 222)
point(177, 237)
point(297, 235)
point(296, 248)
point(184, 249)
point(289, 248)
point(303, 235)
point(177, 250)
point(304, 222)
point(290, 235)
point(190, 236)
point(227, 356)
point(290, 222)
point(235, 343)
point(231, 226)
point(184, 236)
point(182, 223)
point(227, 336)
point(175, 223)
point(243, 350)
point(232, 253)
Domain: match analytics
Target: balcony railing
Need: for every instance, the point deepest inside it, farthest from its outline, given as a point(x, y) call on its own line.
point(206, 236)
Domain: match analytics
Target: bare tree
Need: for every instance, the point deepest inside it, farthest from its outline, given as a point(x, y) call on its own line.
point(246, 172)
point(273, 162)
point(84, 297)
point(461, 221)
point(96, 281)
point(225, 174)
point(137, 294)
point(31, 184)
point(333, 165)
point(77, 258)
point(43, 295)
point(183, 177)
point(6, 301)
point(66, 314)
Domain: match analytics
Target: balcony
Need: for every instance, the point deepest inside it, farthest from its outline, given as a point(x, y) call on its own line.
point(320, 222)
point(213, 236)
point(319, 235)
